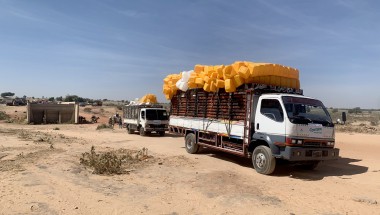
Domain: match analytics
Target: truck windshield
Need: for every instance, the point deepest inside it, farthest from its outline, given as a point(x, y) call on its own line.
point(305, 111)
point(156, 114)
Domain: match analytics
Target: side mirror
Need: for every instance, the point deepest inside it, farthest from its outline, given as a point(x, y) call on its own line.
point(344, 117)
point(142, 114)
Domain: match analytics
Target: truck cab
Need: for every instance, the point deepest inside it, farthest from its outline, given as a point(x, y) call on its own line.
point(294, 127)
point(146, 119)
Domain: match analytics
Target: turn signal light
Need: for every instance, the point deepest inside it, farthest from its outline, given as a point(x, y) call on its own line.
point(291, 141)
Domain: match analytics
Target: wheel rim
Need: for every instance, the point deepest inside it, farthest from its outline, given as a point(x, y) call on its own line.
point(189, 143)
point(260, 160)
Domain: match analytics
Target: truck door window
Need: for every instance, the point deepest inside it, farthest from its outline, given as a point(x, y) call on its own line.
point(271, 108)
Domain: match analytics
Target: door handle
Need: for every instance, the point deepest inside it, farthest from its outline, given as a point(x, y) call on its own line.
point(257, 126)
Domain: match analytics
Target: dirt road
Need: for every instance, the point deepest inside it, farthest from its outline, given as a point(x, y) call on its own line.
point(40, 173)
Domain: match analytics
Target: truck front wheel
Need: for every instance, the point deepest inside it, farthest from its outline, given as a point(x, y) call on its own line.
point(191, 143)
point(263, 161)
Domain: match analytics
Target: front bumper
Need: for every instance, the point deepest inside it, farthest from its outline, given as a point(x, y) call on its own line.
point(308, 154)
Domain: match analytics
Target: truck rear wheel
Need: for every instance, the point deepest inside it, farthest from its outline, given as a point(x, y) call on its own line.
point(161, 133)
point(142, 132)
point(191, 143)
point(129, 129)
point(263, 161)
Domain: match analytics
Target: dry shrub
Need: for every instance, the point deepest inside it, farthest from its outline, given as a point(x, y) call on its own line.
point(87, 110)
point(36, 137)
point(357, 129)
point(113, 162)
point(374, 123)
point(102, 126)
point(3, 115)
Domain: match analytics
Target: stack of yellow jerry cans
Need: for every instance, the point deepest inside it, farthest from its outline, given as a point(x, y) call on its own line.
point(230, 77)
point(149, 98)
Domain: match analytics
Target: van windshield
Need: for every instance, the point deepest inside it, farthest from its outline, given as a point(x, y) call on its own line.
point(305, 111)
point(156, 114)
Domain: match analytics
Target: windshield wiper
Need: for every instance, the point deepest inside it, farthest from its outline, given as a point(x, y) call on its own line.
point(301, 118)
point(322, 121)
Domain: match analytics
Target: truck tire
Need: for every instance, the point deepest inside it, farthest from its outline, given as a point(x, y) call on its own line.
point(191, 143)
point(161, 133)
point(142, 132)
point(310, 165)
point(263, 161)
point(129, 129)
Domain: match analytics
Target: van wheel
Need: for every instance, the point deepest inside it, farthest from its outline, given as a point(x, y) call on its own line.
point(161, 133)
point(263, 161)
point(191, 143)
point(142, 132)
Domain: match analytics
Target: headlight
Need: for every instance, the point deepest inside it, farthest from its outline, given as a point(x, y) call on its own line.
point(330, 143)
point(299, 142)
point(294, 141)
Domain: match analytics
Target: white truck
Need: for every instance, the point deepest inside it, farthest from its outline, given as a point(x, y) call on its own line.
point(259, 121)
point(145, 119)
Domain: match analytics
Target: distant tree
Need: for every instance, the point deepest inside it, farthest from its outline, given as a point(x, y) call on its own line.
point(59, 98)
point(355, 110)
point(80, 99)
point(104, 100)
point(74, 98)
point(98, 102)
point(335, 110)
point(71, 98)
point(51, 99)
point(5, 94)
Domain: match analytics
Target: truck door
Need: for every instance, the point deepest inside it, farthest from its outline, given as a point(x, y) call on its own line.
point(269, 120)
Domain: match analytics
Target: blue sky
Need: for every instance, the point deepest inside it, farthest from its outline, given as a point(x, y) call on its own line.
point(120, 49)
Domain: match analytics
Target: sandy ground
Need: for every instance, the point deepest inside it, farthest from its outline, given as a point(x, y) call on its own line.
point(40, 173)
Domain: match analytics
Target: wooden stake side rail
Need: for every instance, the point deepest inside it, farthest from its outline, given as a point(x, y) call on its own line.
point(220, 105)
